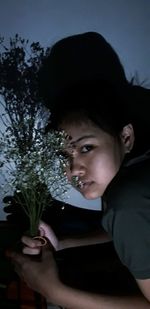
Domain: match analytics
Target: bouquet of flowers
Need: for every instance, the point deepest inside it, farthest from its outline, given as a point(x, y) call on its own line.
point(30, 159)
point(36, 175)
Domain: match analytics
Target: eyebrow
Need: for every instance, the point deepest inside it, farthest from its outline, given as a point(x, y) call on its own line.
point(82, 138)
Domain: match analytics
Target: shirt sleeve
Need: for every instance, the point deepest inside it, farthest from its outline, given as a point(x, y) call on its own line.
point(131, 236)
point(127, 217)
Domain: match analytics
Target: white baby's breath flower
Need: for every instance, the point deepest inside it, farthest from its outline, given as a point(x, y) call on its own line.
point(38, 171)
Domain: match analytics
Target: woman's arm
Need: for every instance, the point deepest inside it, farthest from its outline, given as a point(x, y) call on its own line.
point(75, 299)
point(97, 237)
point(43, 277)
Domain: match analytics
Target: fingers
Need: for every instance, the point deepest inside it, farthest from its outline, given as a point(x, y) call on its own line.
point(35, 251)
point(47, 231)
point(42, 232)
point(44, 228)
point(32, 246)
point(21, 259)
point(31, 242)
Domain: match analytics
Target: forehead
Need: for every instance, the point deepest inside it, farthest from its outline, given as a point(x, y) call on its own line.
point(78, 127)
point(80, 131)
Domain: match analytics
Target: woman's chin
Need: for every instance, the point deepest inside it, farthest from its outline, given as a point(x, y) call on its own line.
point(90, 195)
point(91, 191)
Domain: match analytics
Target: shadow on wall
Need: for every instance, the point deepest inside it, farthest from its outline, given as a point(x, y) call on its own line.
point(76, 199)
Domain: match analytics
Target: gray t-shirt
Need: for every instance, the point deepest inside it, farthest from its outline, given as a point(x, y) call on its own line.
point(127, 215)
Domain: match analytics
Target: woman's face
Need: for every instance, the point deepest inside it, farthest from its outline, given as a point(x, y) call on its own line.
point(94, 157)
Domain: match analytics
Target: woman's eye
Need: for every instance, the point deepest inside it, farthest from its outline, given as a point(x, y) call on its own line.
point(86, 148)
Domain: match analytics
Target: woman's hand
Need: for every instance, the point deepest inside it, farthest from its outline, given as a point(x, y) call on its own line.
point(41, 276)
point(33, 246)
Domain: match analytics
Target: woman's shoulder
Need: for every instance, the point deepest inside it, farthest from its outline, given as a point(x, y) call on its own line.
point(138, 103)
point(131, 184)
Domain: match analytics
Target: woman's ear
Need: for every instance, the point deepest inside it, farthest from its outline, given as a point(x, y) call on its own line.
point(127, 137)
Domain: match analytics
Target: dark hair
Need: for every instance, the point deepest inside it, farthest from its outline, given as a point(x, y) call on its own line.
point(108, 107)
point(88, 58)
point(78, 58)
point(97, 100)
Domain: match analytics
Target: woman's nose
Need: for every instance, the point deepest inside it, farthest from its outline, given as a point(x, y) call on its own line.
point(76, 168)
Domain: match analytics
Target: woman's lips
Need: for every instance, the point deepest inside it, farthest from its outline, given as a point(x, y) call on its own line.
point(80, 184)
point(84, 185)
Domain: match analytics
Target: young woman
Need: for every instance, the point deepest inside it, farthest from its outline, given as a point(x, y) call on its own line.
point(107, 159)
